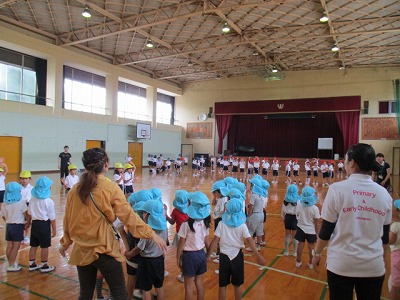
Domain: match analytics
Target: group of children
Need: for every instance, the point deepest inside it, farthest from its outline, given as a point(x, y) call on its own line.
point(158, 165)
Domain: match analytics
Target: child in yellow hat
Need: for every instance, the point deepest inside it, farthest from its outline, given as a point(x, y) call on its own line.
point(72, 178)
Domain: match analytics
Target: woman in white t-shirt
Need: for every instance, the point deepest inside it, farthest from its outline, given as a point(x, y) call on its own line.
point(356, 219)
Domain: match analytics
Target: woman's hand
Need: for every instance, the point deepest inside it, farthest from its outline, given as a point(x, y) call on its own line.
point(159, 242)
point(62, 250)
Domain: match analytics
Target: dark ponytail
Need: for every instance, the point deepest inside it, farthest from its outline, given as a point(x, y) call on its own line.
point(94, 161)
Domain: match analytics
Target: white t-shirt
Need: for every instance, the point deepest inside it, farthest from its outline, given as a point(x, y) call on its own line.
point(296, 167)
point(2, 183)
point(128, 177)
point(395, 228)
point(26, 194)
point(360, 208)
point(257, 164)
point(194, 240)
point(275, 166)
point(220, 207)
point(242, 164)
point(14, 212)
point(258, 202)
point(42, 209)
point(119, 179)
point(289, 209)
point(71, 180)
point(306, 216)
point(231, 238)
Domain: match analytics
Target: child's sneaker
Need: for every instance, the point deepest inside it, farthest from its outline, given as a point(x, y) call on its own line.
point(310, 266)
point(26, 240)
point(166, 273)
point(34, 267)
point(294, 254)
point(138, 294)
point(46, 268)
point(214, 255)
point(14, 268)
point(298, 264)
point(181, 278)
point(263, 243)
point(286, 253)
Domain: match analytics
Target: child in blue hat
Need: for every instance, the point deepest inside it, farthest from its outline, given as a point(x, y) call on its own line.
point(307, 223)
point(220, 191)
point(41, 208)
point(289, 217)
point(193, 234)
point(178, 216)
point(230, 234)
point(151, 265)
point(15, 214)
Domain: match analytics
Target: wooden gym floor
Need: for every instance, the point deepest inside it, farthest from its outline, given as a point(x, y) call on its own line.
point(279, 279)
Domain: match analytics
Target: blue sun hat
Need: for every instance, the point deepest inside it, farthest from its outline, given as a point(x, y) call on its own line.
point(308, 197)
point(181, 201)
point(292, 194)
point(156, 194)
point(255, 181)
point(235, 194)
point(136, 200)
point(257, 176)
point(265, 186)
point(221, 186)
point(229, 181)
point(42, 188)
point(234, 215)
point(240, 186)
point(12, 193)
point(199, 207)
point(156, 218)
point(397, 203)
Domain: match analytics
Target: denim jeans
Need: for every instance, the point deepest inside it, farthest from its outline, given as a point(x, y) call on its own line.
point(111, 269)
point(367, 288)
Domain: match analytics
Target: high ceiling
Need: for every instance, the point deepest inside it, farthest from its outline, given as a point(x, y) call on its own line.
point(190, 46)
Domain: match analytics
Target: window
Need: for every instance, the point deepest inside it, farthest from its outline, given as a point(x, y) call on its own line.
point(387, 107)
point(165, 109)
point(84, 91)
point(22, 77)
point(132, 102)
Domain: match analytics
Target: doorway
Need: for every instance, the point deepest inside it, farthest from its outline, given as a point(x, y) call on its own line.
point(95, 144)
point(12, 153)
point(187, 149)
point(135, 150)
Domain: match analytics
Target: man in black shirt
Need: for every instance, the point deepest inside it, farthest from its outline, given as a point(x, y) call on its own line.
point(64, 159)
point(382, 176)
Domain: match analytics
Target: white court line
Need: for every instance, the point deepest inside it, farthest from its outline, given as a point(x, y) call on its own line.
point(285, 272)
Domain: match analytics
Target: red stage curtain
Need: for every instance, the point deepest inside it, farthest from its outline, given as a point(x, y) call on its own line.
point(223, 124)
point(348, 124)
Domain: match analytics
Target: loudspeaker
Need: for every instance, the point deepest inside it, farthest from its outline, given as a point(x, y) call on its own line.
point(366, 107)
point(210, 111)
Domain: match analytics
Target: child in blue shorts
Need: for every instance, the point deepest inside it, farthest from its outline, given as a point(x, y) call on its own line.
point(15, 214)
point(191, 258)
point(230, 234)
point(151, 264)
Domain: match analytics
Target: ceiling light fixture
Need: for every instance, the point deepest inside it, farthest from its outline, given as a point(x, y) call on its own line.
point(274, 70)
point(226, 28)
point(335, 48)
point(190, 63)
point(218, 76)
point(324, 18)
point(255, 53)
point(86, 13)
point(149, 44)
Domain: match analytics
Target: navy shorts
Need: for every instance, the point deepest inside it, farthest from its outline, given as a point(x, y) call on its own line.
point(128, 189)
point(40, 234)
point(265, 171)
point(256, 170)
point(150, 273)
point(241, 170)
point(231, 271)
point(194, 263)
point(234, 169)
point(325, 175)
point(249, 171)
point(301, 236)
point(295, 173)
point(2, 196)
point(15, 232)
point(290, 222)
point(274, 172)
point(308, 173)
point(288, 173)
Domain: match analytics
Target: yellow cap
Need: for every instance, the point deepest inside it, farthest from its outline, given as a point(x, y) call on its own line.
point(25, 174)
point(128, 166)
point(118, 165)
point(72, 167)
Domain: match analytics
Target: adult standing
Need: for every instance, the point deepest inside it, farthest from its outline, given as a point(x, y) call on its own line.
point(384, 172)
point(64, 160)
point(356, 217)
point(91, 205)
